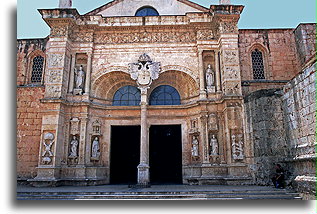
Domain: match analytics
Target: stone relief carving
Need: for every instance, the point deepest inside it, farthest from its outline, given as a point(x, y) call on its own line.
point(212, 122)
point(96, 128)
point(74, 147)
point(53, 90)
point(228, 27)
point(47, 153)
point(56, 60)
point(145, 71)
point(82, 36)
point(237, 146)
point(95, 149)
point(147, 37)
point(195, 147)
point(55, 76)
point(214, 146)
point(231, 73)
point(231, 57)
point(74, 126)
point(205, 34)
point(59, 31)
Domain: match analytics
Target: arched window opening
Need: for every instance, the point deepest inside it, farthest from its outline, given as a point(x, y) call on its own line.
point(146, 11)
point(127, 96)
point(165, 95)
point(257, 64)
point(37, 69)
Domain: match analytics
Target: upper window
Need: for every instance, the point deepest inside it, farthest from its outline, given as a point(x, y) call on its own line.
point(37, 69)
point(127, 96)
point(146, 11)
point(257, 64)
point(165, 95)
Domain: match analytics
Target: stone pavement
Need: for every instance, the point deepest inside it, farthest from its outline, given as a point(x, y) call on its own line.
point(160, 192)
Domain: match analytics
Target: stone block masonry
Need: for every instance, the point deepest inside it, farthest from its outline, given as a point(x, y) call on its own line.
point(299, 105)
point(281, 123)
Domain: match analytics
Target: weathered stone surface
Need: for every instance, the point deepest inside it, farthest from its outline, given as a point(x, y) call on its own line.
point(271, 126)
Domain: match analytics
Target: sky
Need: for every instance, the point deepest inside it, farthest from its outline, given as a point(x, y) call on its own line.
point(257, 14)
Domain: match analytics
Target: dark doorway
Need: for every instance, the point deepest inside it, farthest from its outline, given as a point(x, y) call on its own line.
point(165, 154)
point(125, 154)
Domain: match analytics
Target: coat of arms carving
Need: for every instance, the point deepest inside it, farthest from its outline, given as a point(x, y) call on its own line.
point(145, 70)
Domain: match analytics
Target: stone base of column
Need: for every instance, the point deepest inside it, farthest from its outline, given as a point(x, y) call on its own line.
point(143, 174)
point(203, 95)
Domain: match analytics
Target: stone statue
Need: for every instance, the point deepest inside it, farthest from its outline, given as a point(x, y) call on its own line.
point(214, 145)
point(95, 151)
point(195, 149)
point(48, 142)
point(224, 2)
point(65, 3)
point(237, 147)
point(74, 147)
point(210, 77)
point(80, 78)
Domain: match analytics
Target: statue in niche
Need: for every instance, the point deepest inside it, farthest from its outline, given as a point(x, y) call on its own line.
point(95, 151)
point(48, 142)
point(210, 77)
point(80, 78)
point(214, 145)
point(74, 147)
point(195, 149)
point(237, 147)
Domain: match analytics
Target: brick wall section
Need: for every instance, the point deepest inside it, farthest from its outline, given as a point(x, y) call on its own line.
point(29, 111)
point(281, 64)
point(305, 35)
point(24, 48)
point(29, 123)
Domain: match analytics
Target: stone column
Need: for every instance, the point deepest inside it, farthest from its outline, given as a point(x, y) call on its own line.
point(88, 74)
point(144, 168)
point(218, 80)
point(72, 75)
point(202, 86)
point(204, 138)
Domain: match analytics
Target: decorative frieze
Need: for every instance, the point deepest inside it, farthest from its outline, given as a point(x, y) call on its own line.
point(146, 37)
point(82, 36)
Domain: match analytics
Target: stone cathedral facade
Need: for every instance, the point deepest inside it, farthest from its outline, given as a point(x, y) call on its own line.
point(152, 92)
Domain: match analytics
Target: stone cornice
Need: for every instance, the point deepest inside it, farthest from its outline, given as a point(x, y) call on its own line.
point(226, 9)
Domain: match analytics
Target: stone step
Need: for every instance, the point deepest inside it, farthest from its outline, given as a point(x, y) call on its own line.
point(206, 195)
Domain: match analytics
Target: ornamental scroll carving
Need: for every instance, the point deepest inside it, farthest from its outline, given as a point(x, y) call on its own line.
point(228, 27)
point(59, 31)
point(205, 34)
point(82, 36)
point(146, 37)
